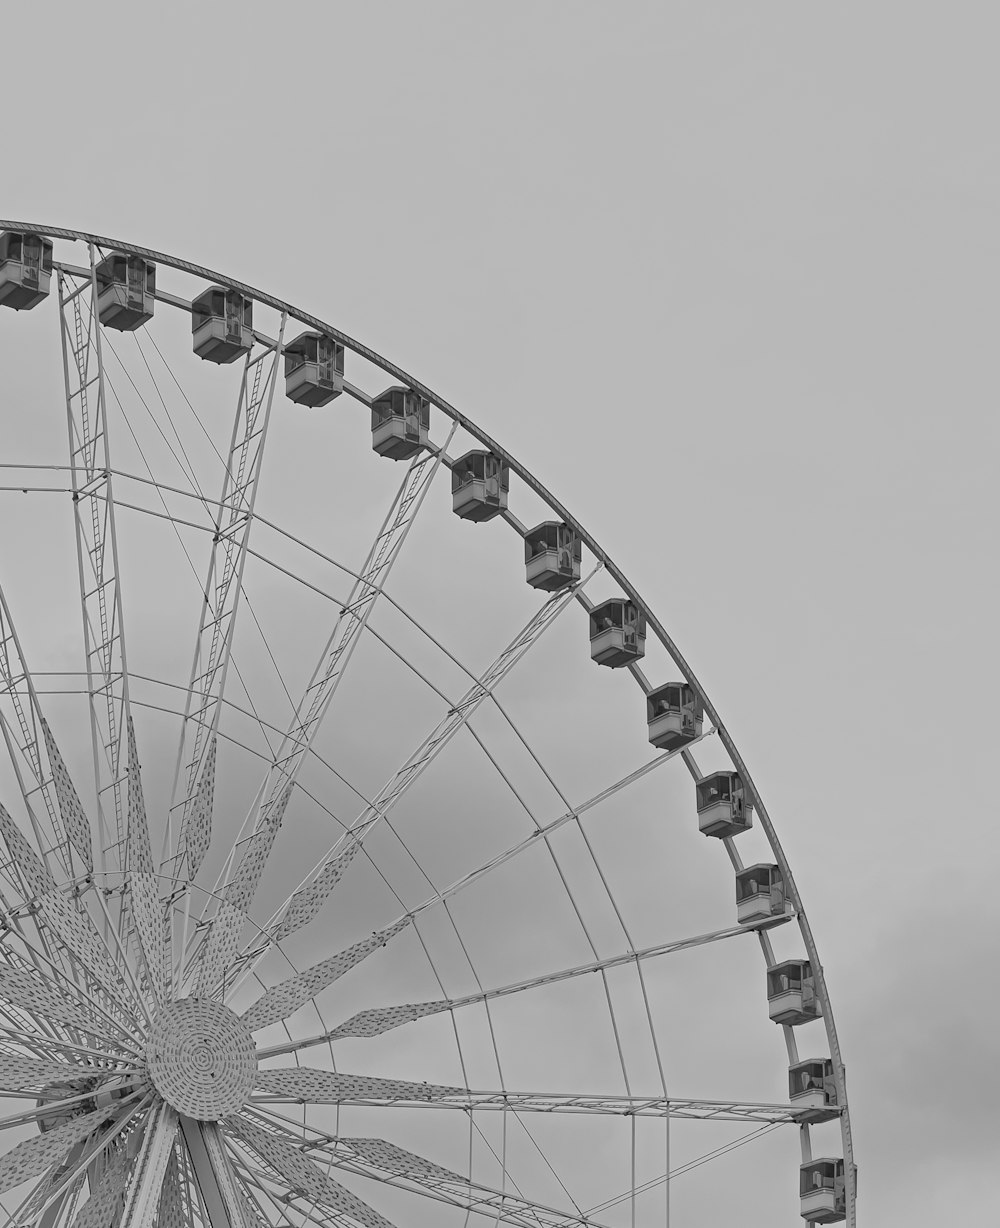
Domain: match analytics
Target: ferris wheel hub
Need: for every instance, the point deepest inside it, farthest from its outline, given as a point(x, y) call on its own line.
point(201, 1058)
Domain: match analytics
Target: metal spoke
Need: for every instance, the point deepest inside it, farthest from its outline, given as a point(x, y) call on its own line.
point(302, 1174)
point(377, 1020)
point(284, 999)
point(273, 796)
point(18, 1072)
point(45, 1045)
point(222, 591)
point(25, 989)
point(70, 807)
point(142, 883)
point(306, 902)
point(305, 1086)
point(37, 876)
point(394, 1166)
point(34, 1155)
point(97, 549)
point(25, 749)
point(528, 842)
point(285, 1201)
point(79, 933)
point(59, 1185)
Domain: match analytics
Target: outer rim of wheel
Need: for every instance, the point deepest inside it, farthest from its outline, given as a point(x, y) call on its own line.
point(400, 375)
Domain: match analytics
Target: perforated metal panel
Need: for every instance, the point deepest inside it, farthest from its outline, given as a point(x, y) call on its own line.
point(170, 1213)
point(199, 819)
point(282, 1000)
point(222, 945)
point(34, 1155)
point(303, 1175)
point(224, 936)
point(201, 1058)
point(36, 876)
point(18, 1073)
point(148, 915)
point(140, 855)
point(399, 1161)
point(333, 1087)
point(308, 900)
point(70, 807)
point(379, 1019)
point(243, 885)
point(26, 989)
point(104, 1206)
point(79, 933)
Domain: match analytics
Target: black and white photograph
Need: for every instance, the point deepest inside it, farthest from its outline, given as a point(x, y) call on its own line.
point(488, 494)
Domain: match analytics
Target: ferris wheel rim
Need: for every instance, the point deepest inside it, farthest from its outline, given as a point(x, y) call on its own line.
point(555, 505)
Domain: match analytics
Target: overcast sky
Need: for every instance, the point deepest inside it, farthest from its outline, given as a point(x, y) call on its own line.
point(724, 277)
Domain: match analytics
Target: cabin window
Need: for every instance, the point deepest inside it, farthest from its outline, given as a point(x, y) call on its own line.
point(804, 1079)
point(749, 885)
point(715, 789)
point(817, 1177)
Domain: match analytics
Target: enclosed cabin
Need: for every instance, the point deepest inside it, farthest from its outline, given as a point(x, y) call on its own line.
point(25, 270)
point(760, 894)
point(552, 556)
point(314, 369)
point(822, 1191)
point(723, 806)
point(812, 1089)
point(126, 291)
point(674, 716)
point(221, 324)
point(401, 423)
point(791, 993)
point(479, 485)
point(617, 632)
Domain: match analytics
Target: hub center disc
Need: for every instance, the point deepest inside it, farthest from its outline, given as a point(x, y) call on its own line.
point(201, 1058)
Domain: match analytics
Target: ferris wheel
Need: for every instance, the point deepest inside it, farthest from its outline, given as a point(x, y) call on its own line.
point(341, 882)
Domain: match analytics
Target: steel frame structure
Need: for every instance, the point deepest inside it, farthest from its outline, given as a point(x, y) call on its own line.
point(110, 976)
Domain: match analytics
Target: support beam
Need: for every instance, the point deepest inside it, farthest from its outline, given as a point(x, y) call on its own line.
point(223, 1200)
point(150, 1168)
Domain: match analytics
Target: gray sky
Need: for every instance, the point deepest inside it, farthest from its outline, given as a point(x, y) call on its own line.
point(723, 278)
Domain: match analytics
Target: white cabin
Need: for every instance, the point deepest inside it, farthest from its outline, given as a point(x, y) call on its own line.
point(812, 1089)
point(221, 324)
point(791, 993)
point(479, 485)
point(401, 423)
point(314, 369)
point(822, 1191)
point(25, 270)
point(552, 556)
point(674, 716)
point(617, 632)
point(760, 894)
point(723, 806)
point(126, 291)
